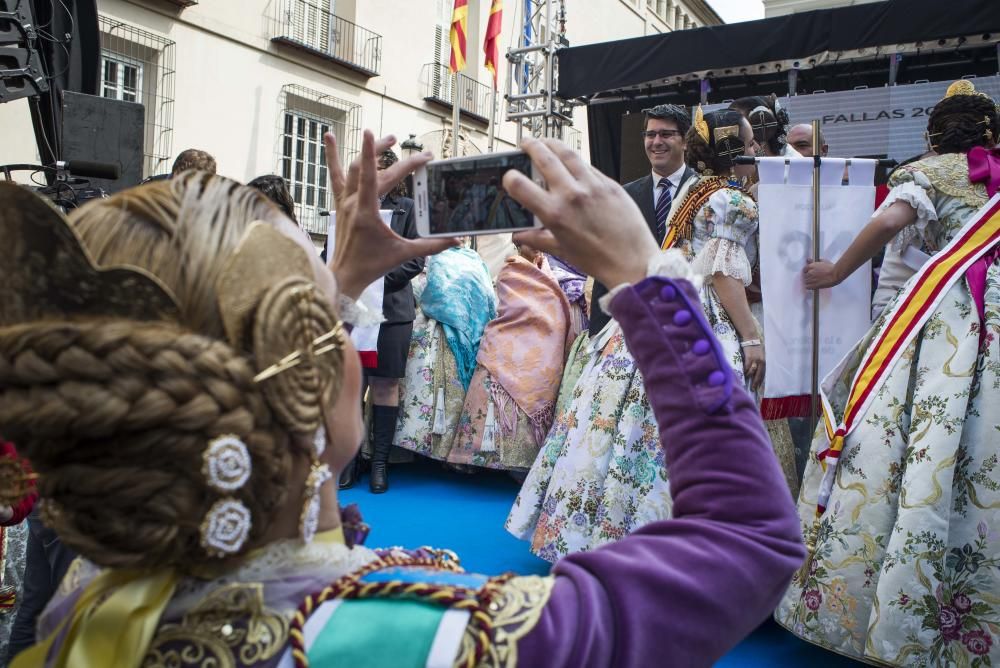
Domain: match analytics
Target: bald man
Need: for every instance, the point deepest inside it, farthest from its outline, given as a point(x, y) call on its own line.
point(800, 137)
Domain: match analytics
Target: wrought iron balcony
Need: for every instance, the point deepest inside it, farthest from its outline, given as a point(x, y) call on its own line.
point(316, 30)
point(436, 81)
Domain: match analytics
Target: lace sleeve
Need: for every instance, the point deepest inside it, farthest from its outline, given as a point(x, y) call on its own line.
point(914, 188)
point(723, 256)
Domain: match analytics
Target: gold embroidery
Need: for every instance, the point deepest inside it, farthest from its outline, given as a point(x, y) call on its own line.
point(514, 614)
point(229, 627)
point(949, 174)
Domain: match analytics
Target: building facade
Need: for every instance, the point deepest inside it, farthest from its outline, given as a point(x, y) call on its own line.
point(256, 83)
point(779, 7)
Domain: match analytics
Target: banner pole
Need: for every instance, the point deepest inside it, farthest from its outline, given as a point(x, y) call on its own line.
point(456, 112)
point(493, 119)
point(814, 398)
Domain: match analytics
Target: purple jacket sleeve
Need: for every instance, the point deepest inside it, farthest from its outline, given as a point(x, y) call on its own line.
point(683, 591)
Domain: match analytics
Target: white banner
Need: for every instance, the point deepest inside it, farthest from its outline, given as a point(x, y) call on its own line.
point(786, 208)
point(365, 339)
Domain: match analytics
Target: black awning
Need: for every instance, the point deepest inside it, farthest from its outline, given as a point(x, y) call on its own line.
point(608, 66)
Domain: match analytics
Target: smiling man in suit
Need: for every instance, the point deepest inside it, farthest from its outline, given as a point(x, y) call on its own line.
point(663, 135)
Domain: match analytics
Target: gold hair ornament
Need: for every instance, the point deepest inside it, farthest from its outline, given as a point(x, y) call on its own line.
point(701, 125)
point(270, 303)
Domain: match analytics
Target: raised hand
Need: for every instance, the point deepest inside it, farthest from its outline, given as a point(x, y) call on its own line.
point(590, 221)
point(365, 248)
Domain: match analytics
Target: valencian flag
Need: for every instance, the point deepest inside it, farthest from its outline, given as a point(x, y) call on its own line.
point(492, 43)
point(459, 22)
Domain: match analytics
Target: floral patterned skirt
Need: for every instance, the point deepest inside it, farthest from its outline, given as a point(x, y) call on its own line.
point(515, 451)
point(907, 564)
point(430, 393)
point(600, 472)
point(15, 548)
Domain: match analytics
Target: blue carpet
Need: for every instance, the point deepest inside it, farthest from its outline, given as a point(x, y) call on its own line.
point(428, 505)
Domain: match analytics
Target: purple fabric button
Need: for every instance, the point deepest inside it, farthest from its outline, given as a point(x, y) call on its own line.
point(682, 318)
point(668, 293)
point(701, 347)
point(716, 378)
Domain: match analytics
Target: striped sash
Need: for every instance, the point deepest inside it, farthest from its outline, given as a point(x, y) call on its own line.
point(912, 310)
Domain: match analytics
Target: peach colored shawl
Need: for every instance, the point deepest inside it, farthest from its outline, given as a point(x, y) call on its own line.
point(524, 348)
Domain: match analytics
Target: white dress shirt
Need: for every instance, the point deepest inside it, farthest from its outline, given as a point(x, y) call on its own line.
point(675, 181)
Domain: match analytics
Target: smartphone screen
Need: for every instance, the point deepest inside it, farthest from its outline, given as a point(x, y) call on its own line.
point(468, 196)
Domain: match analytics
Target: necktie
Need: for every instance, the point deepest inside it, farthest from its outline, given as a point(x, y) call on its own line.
point(662, 207)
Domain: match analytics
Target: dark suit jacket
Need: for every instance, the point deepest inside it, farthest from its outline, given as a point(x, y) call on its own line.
point(641, 191)
point(397, 301)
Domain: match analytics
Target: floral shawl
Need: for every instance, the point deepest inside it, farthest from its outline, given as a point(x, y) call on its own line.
point(524, 349)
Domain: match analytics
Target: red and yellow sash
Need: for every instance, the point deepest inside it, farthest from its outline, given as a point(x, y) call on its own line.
point(916, 305)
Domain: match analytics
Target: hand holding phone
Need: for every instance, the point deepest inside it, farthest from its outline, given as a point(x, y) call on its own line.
point(465, 196)
point(590, 220)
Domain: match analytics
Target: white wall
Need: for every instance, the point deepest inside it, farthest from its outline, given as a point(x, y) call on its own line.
point(229, 75)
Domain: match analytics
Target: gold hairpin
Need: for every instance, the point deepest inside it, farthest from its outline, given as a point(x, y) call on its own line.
point(312, 350)
point(700, 124)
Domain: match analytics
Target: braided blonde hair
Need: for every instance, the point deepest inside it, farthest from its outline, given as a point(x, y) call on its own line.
point(116, 414)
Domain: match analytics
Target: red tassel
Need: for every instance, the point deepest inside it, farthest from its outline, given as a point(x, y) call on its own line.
point(786, 407)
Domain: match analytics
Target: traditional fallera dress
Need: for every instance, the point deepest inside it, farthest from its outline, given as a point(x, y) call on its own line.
point(574, 284)
point(433, 392)
point(628, 605)
point(511, 400)
point(600, 473)
point(904, 520)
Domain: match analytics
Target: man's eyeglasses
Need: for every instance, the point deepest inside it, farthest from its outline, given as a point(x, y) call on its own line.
point(662, 134)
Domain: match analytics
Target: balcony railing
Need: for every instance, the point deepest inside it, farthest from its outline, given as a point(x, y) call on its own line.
point(473, 97)
point(313, 28)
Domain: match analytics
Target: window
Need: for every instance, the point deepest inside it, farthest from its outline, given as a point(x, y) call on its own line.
point(303, 162)
point(122, 80)
point(310, 23)
point(306, 116)
point(138, 66)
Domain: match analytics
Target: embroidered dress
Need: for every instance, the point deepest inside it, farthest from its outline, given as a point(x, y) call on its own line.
point(511, 400)
point(906, 568)
point(431, 395)
point(599, 475)
point(14, 547)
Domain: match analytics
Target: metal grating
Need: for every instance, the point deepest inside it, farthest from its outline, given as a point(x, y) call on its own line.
point(304, 115)
point(436, 82)
point(314, 28)
point(138, 66)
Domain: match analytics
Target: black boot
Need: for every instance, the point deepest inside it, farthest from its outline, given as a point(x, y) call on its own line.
point(383, 430)
point(349, 476)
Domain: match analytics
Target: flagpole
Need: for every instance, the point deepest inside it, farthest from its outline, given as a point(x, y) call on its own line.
point(816, 181)
point(493, 119)
point(456, 113)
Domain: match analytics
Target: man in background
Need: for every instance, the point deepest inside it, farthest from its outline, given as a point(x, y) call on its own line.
point(193, 159)
point(800, 137)
point(663, 133)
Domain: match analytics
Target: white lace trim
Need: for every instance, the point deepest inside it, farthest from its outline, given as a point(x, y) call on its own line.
point(355, 313)
point(670, 263)
point(722, 256)
point(915, 196)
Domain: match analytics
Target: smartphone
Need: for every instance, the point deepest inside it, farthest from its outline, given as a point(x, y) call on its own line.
point(465, 196)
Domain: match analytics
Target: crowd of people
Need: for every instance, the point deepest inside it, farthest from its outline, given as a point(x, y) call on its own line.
point(183, 397)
